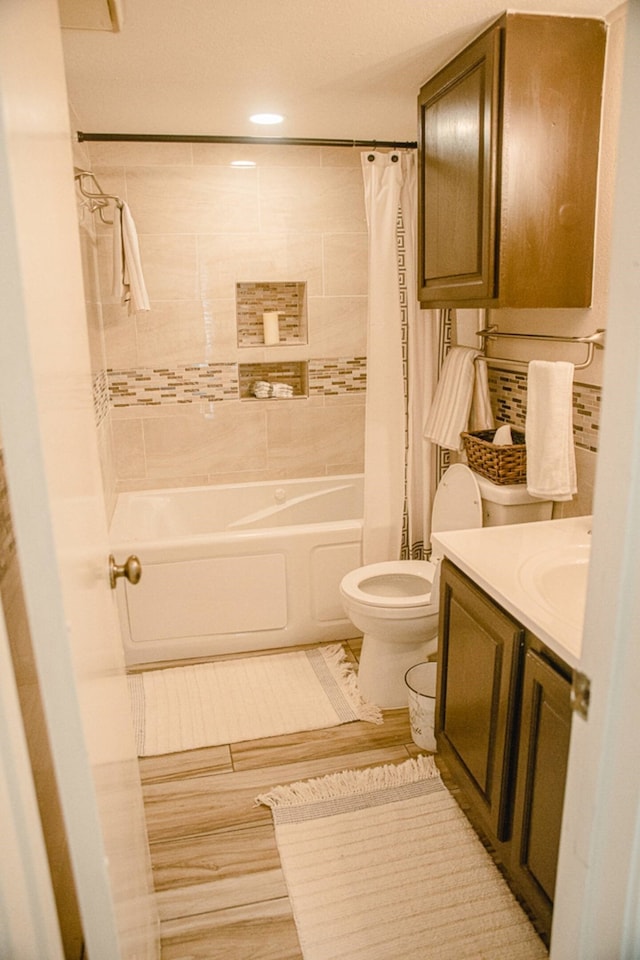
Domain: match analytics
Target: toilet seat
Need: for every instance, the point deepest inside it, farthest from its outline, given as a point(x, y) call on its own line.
point(407, 584)
point(392, 583)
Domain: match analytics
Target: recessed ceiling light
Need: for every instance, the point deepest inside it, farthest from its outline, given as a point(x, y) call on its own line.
point(266, 118)
point(243, 163)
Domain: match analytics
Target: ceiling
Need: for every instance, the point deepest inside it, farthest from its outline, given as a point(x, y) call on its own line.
point(349, 69)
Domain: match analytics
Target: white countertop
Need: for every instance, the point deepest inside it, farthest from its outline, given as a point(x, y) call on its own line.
point(499, 560)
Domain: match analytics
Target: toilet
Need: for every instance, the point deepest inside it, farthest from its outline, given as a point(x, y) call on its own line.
point(395, 603)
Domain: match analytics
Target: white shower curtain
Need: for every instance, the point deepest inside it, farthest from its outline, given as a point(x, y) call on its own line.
point(399, 365)
point(423, 329)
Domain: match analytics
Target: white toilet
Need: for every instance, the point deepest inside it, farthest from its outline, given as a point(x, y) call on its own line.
point(395, 603)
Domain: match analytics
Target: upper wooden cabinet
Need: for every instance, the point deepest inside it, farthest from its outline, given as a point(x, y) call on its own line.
point(508, 145)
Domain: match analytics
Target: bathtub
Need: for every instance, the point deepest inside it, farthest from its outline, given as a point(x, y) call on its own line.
point(237, 567)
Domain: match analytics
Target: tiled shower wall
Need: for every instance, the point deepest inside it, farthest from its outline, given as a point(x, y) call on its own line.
point(169, 384)
point(172, 374)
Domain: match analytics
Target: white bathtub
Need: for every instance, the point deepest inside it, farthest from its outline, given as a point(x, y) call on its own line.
point(237, 567)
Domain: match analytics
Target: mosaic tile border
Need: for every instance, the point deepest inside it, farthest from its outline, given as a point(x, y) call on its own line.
point(224, 381)
point(7, 537)
point(509, 398)
point(338, 376)
point(587, 401)
point(184, 384)
point(100, 396)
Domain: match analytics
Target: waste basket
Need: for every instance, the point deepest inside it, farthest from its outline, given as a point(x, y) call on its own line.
point(421, 685)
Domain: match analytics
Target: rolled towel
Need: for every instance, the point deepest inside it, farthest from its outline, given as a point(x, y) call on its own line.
point(282, 390)
point(261, 389)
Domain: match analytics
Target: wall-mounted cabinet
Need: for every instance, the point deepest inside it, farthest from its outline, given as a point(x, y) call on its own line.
point(503, 722)
point(508, 144)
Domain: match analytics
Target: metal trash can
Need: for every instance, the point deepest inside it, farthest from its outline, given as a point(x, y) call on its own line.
point(421, 685)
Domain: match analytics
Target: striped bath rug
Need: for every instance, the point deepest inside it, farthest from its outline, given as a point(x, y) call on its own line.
point(382, 864)
point(227, 701)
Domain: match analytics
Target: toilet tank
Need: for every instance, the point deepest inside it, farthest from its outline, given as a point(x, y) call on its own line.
point(510, 503)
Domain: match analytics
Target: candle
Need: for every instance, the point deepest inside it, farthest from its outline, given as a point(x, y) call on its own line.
point(270, 326)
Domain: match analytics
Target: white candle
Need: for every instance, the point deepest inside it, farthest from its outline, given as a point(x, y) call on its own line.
point(271, 328)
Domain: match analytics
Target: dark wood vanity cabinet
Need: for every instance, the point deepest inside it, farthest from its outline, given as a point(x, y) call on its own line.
point(479, 662)
point(508, 158)
point(543, 750)
point(503, 720)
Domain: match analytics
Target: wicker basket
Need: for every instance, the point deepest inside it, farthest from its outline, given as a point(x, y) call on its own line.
point(501, 464)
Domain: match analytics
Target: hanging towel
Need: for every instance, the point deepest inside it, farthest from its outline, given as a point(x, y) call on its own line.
point(551, 462)
point(461, 400)
point(128, 282)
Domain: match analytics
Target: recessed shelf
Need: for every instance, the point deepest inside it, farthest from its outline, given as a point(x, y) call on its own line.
point(293, 374)
point(288, 298)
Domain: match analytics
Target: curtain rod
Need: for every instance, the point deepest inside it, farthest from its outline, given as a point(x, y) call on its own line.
point(282, 141)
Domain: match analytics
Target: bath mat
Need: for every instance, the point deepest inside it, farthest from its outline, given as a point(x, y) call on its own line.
point(227, 701)
point(382, 863)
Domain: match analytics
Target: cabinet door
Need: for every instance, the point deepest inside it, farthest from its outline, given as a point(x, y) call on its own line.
point(542, 765)
point(479, 657)
point(457, 184)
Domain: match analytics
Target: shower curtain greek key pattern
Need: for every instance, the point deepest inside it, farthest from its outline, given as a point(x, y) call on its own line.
point(409, 551)
point(442, 460)
point(417, 550)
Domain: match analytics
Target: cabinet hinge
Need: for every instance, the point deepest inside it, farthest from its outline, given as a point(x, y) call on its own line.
point(580, 694)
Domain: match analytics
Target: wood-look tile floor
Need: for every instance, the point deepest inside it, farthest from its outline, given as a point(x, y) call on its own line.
point(217, 874)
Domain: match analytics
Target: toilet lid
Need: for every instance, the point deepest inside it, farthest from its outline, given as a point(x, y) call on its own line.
point(457, 504)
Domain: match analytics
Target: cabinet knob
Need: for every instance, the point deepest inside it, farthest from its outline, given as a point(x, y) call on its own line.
point(131, 569)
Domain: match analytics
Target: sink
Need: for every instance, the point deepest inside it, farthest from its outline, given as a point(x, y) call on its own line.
point(557, 580)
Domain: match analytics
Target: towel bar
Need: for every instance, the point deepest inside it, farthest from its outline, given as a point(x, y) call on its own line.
point(593, 341)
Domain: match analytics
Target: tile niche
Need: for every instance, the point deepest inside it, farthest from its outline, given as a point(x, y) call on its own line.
point(287, 299)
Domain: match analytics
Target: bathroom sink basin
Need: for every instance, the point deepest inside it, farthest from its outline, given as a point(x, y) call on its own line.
point(557, 580)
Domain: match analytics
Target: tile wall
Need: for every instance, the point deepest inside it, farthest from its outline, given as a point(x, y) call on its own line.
point(170, 386)
point(95, 329)
point(219, 245)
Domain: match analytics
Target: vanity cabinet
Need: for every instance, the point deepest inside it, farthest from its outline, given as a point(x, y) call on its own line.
point(479, 662)
point(543, 749)
point(503, 720)
point(508, 159)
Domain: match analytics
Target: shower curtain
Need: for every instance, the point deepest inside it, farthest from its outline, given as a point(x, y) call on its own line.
point(401, 357)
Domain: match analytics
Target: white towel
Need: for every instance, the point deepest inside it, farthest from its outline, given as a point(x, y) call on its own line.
point(461, 400)
point(128, 281)
point(551, 461)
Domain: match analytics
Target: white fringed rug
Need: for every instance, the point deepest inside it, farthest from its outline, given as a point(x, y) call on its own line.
point(382, 864)
point(227, 701)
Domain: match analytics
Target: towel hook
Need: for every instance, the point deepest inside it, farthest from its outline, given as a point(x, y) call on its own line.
point(98, 200)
